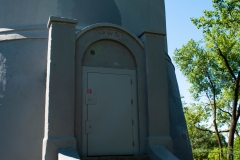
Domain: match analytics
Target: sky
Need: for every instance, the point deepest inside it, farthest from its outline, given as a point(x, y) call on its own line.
point(180, 30)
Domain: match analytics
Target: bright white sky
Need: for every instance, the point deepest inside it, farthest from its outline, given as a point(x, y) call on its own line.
point(180, 30)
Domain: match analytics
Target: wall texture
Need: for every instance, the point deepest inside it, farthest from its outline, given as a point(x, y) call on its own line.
point(178, 129)
point(133, 15)
point(22, 101)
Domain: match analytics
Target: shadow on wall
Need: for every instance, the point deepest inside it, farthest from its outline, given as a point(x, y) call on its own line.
point(91, 11)
point(178, 128)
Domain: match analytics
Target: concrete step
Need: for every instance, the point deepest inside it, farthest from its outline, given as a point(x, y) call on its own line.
point(144, 157)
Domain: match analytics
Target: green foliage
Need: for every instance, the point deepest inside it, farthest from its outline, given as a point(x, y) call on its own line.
point(212, 65)
point(202, 141)
point(237, 148)
point(215, 154)
point(225, 15)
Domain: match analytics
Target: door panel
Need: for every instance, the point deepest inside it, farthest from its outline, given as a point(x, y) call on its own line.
point(110, 115)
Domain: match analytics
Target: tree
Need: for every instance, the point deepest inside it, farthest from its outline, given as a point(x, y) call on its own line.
point(212, 66)
point(202, 141)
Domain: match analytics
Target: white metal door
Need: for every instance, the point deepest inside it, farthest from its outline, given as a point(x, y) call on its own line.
point(109, 124)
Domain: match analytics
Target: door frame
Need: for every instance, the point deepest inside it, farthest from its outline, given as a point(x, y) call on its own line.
point(85, 71)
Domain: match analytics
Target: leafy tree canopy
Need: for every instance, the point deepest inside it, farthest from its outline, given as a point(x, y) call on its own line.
point(212, 66)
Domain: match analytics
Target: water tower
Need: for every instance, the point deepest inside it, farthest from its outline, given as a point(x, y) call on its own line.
point(98, 82)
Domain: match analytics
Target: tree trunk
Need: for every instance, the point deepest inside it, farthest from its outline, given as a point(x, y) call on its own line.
point(214, 110)
point(218, 136)
point(231, 139)
point(234, 119)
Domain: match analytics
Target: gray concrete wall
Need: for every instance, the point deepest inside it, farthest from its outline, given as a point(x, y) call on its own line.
point(22, 97)
point(60, 88)
point(178, 128)
point(134, 15)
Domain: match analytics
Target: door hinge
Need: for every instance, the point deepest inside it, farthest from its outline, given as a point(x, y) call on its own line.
point(133, 143)
point(132, 122)
point(131, 101)
point(131, 81)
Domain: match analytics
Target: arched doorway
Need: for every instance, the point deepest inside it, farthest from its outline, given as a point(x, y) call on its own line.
point(109, 79)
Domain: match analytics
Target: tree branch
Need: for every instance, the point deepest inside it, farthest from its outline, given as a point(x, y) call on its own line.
point(238, 113)
point(205, 129)
point(235, 99)
point(225, 112)
point(226, 63)
point(211, 82)
point(209, 101)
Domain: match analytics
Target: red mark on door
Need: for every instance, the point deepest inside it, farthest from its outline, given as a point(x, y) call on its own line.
point(89, 91)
